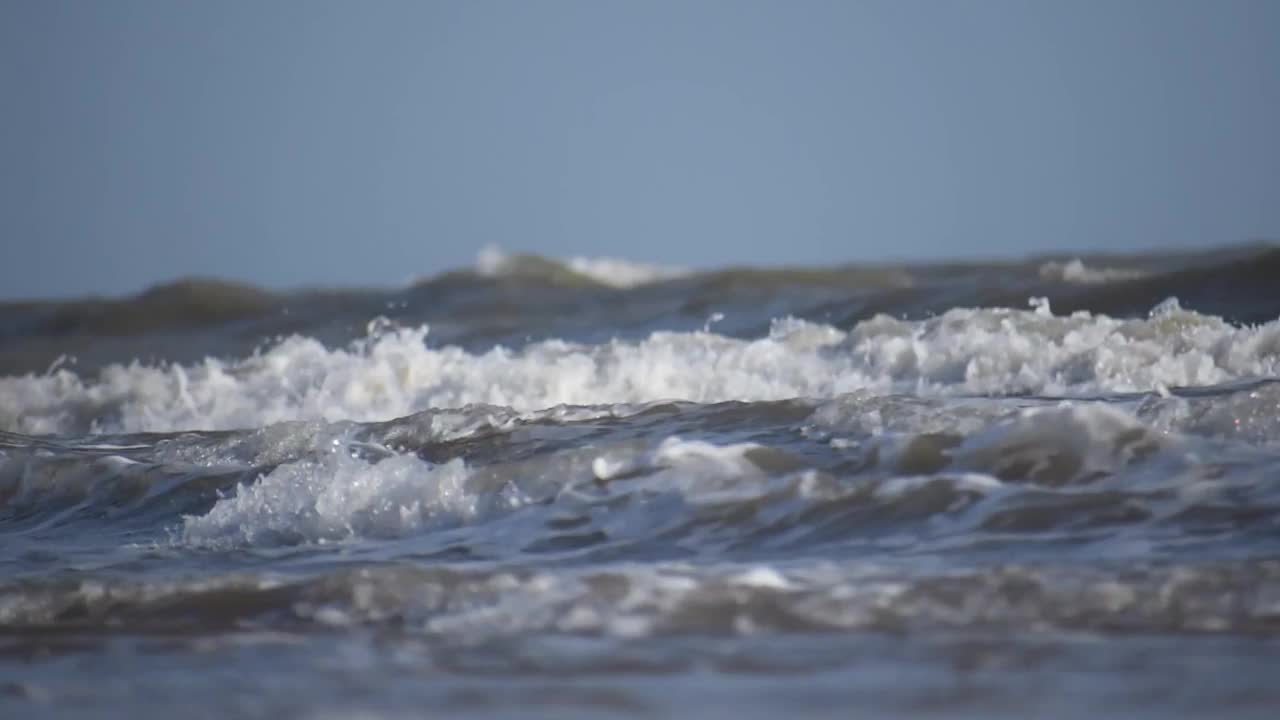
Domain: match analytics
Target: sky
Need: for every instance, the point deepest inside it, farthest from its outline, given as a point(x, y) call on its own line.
point(312, 143)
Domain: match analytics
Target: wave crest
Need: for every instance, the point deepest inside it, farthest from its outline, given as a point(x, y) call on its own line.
point(393, 372)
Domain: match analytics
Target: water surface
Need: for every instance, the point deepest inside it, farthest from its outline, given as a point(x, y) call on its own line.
point(594, 488)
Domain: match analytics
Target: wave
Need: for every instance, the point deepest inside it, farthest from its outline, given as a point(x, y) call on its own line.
point(1233, 287)
point(612, 272)
point(524, 301)
point(201, 302)
point(1024, 472)
point(190, 302)
point(854, 472)
point(1084, 474)
point(1222, 598)
point(579, 469)
point(1075, 271)
point(854, 513)
point(394, 372)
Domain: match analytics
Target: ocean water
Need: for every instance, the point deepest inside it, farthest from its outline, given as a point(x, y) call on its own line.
point(598, 488)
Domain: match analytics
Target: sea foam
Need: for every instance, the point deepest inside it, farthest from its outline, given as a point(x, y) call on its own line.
point(395, 371)
point(1076, 272)
point(493, 261)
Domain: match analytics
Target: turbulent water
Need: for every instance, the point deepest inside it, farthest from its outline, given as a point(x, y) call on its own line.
point(595, 488)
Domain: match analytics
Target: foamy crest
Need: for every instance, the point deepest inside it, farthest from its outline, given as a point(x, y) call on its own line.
point(693, 467)
point(624, 273)
point(394, 373)
point(339, 497)
point(1075, 271)
point(1001, 352)
point(493, 261)
point(1024, 470)
point(341, 494)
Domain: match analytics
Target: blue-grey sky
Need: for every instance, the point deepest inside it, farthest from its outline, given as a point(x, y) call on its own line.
point(306, 142)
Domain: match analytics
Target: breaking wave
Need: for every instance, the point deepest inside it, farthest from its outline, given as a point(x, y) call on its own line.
point(395, 371)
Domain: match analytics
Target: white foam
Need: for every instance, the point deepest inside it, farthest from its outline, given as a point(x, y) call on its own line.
point(340, 497)
point(342, 489)
point(394, 373)
point(897, 487)
point(493, 261)
point(998, 351)
point(1067, 443)
point(339, 494)
point(624, 273)
point(701, 471)
point(1075, 271)
point(761, 576)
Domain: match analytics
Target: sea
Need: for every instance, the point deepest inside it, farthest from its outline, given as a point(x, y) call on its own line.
point(596, 488)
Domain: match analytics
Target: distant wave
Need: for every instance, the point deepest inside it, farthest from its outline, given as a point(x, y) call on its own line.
point(513, 299)
point(1075, 271)
point(183, 303)
point(392, 372)
point(493, 261)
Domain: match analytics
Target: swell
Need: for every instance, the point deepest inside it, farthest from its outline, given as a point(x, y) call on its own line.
point(763, 478)
point(1225, 598)
point(181, 321)
point(1241, 290)
point(397, 371)
point(522, 298)
point(190, 302)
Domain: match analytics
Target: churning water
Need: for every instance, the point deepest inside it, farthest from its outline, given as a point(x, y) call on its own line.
point(596, 488)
